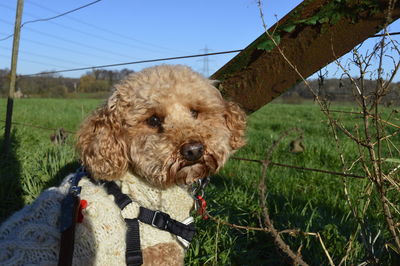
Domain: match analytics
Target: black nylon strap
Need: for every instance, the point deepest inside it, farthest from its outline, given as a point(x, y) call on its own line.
point(121, 199)
point(133, 254)
point(163, 221)
point(185, 231)
point(158, 219)
point(69, 213)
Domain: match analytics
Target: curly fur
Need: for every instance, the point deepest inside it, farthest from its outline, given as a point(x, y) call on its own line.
point(119, 142)
point(116, 137)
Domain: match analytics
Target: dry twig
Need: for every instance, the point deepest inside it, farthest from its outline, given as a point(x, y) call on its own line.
point(369, 142)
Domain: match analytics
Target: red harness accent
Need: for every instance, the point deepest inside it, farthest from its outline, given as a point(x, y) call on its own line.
point(202, 205)
point(82, 205)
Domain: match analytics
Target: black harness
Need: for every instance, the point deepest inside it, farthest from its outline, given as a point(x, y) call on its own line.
point(157, 219)
point(133, 253)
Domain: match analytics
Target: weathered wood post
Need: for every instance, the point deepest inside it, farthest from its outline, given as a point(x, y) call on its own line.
point(11, 92)
point(312, 35)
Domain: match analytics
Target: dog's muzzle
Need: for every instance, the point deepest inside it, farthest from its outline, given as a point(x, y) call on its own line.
point(193, 163)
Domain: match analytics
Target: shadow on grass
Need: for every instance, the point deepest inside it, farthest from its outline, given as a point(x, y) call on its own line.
point(67, 169)
point(40, 222)
point(14, 192)
point(10, 174)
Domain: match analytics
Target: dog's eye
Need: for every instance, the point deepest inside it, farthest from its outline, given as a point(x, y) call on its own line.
point(154, 121)
point(194, 113)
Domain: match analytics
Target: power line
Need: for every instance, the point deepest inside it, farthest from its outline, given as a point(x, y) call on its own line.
point(54, 17)
point(31, 61)
point(112, 32)
point(63, 49)
point(86, 34)
point(44, 56)
point(90, 47)
point(62, 14)
point(80, 44)
point(135, 62)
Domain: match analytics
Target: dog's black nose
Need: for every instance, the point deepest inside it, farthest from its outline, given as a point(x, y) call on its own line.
point(192, 151)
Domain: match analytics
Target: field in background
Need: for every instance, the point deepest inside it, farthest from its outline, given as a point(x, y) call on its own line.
point(312, 202)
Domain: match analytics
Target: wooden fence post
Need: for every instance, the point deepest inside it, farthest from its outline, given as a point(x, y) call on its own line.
point(14, 59)
point(260, 73)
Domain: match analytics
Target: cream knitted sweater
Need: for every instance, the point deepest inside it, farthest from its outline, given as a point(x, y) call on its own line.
point(31, 236)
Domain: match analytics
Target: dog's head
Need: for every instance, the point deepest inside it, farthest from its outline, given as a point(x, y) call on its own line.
point(166, 124)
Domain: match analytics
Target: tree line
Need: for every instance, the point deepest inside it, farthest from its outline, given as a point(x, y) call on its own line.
point(342, 90)
point(54, 85)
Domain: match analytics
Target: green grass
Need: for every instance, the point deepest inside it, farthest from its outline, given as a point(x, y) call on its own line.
point(312, 202)
point(34, 162)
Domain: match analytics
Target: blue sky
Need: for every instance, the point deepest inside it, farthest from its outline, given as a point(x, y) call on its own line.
point(116, 31)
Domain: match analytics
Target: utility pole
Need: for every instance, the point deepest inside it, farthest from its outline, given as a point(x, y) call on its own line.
point(14, 59)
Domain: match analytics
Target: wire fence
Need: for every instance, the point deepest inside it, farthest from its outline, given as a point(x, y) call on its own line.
point(264, 163)
point(152, 61)
point(301, 168)
point(261, 162)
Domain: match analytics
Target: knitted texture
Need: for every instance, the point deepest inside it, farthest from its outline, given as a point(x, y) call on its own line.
point(31, 236)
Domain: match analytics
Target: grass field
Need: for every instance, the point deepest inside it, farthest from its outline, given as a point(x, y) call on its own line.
point(312, 202)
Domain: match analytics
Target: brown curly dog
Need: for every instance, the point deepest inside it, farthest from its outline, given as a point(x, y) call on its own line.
point(162, 129)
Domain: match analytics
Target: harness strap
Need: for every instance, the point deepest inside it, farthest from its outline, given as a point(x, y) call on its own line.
point(69, 214)
point(133, 254)
point(157, 219)
point(121, 199)
point(163, 221)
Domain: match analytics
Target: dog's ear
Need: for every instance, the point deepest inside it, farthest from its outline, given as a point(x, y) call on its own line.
point(101, 142)
point(236, 122)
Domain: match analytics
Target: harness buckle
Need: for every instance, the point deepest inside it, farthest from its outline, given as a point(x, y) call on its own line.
point(199, 186)
point(160, 220)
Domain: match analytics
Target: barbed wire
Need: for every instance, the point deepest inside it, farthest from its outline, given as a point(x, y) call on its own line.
point(158, 60)
point(385, 34)
point(234, 158)
point(38, 127)
point(301, 168)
